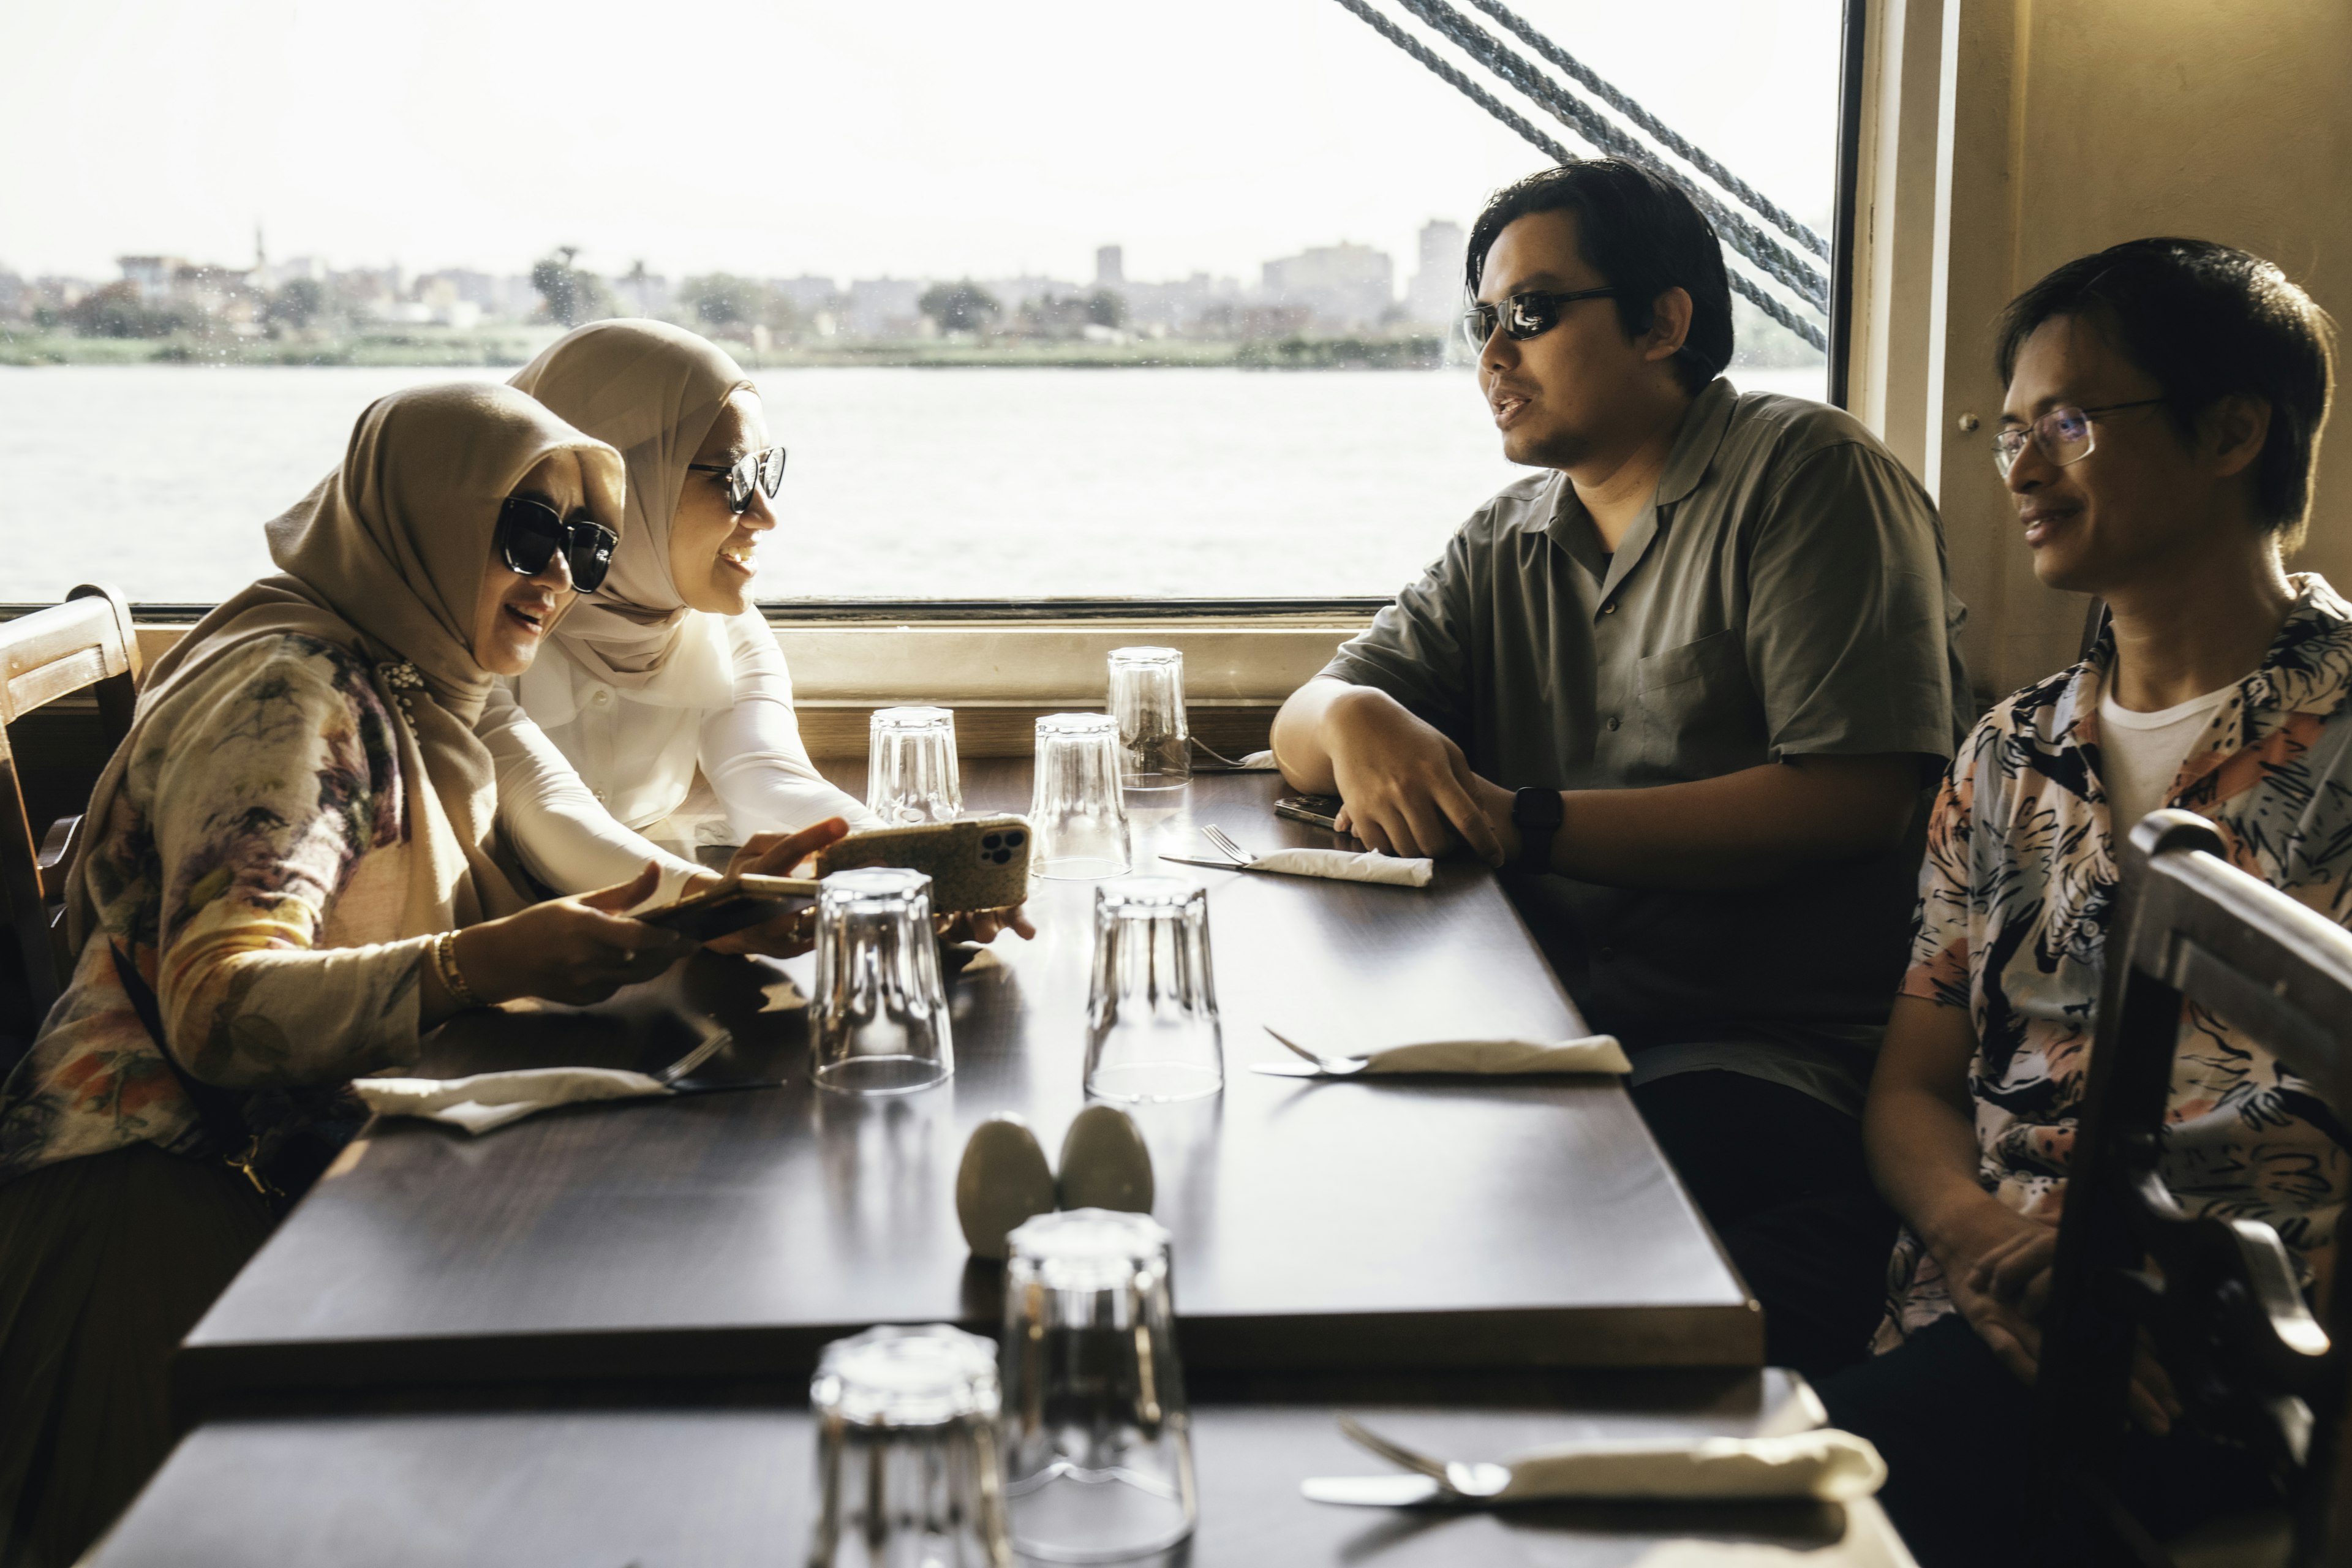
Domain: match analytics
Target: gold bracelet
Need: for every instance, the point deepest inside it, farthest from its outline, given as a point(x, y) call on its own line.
point(453, 979)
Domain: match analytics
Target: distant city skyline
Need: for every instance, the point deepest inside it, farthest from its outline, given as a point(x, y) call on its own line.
point(794, 137)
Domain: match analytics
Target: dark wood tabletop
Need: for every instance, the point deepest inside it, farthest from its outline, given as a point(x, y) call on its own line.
point(667, 1488)
point(1455, 1223)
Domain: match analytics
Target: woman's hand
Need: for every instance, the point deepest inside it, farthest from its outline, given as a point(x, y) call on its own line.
point(984, 926)
point(779, 855)
point(577, 950)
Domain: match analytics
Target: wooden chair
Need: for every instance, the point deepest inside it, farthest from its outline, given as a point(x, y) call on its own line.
point(85, 643)
point(2219, 1297)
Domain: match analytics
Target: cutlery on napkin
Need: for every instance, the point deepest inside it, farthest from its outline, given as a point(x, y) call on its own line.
point(1337, 865)
point(1823, 1465)
point(1591, 1054)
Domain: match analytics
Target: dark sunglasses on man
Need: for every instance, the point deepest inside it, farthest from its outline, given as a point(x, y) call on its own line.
point(1523, 315)
point(532, 531)
point(764, 469)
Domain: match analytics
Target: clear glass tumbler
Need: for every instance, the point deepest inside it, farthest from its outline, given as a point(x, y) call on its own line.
point(910, 766)
point(1097, 1444)
point(1147, 697)
point(1151, 1013)
point(879, 1021)
point(1076, 808)
point(908, 1467)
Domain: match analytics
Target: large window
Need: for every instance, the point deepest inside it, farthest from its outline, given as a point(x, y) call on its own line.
point(1047, 298)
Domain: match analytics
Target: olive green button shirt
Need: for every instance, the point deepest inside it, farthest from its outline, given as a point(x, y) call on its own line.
point(1782, 596)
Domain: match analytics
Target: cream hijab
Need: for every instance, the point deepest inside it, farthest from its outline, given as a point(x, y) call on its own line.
point(385, 558)
point(653, 391)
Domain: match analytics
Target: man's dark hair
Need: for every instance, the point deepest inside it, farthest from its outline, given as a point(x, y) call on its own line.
point(2205, 322)
point(1642, 235)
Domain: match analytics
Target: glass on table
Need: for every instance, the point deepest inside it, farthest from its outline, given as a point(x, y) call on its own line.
point(1152, 1032)
point(879, 1021)
point(1097, 1443)
point(909, 1469)
point(1074, 807)
point(1147, 697)
point(910, 766)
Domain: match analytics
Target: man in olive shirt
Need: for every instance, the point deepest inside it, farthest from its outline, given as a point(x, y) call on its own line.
point(1686, 688)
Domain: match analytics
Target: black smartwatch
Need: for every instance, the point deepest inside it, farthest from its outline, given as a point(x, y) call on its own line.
point(1536, 814)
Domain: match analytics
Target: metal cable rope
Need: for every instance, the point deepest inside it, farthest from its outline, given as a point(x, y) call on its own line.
point(1558, 154)
point(1697, 157)
point(1783, 266)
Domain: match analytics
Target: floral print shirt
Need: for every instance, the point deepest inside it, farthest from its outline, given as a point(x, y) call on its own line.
point(2015, 903)
point(249, 886)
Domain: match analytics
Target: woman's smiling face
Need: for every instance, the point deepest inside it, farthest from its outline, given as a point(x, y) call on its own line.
point(711, 547)
point(513, 613)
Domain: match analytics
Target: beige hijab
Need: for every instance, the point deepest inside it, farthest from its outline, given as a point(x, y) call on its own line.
point(385, 558)
point(653, 391)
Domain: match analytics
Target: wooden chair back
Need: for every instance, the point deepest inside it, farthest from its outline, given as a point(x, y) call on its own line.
point(86, 644)
point(2219, 1297)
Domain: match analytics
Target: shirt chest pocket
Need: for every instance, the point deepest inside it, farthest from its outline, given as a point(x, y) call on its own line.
point(1698, 710)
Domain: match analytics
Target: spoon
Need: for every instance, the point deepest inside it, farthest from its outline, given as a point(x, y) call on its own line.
point(1329, 1067)
point(1472, 1482)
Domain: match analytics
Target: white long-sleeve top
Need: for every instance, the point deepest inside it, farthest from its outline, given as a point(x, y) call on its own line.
point(592, 776)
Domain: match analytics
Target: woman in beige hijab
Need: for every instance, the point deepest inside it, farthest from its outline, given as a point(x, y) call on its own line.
point(668, 669)
point(294, 871)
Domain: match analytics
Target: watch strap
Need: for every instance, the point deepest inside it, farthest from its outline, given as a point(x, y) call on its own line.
point(1536, 814)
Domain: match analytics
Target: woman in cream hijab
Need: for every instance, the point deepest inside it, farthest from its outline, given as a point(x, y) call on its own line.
point(668, 669)
point(294, 871)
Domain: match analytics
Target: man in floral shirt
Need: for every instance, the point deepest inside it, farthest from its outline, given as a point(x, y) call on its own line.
point(2164, 408)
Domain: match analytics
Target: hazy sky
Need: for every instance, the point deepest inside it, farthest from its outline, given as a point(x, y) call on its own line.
point(917, 136)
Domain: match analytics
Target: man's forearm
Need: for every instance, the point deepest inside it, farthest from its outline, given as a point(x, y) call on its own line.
point(1301, 749)
point(1741, 829)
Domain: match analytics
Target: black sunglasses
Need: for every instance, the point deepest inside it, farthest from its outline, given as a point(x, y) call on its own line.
point(532, 531)
point(765, 470)
point(1522, 316)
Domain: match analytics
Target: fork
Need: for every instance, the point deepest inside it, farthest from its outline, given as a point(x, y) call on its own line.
point(1217, 837)
point(694, 1059)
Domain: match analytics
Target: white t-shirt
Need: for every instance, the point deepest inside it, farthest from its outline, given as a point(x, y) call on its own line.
point(2140, 753)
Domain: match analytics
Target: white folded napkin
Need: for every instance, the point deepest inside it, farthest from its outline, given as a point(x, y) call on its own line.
point(1594, 1053)
point(490, 1100)
point(1827, 1465)
point(1341, 866)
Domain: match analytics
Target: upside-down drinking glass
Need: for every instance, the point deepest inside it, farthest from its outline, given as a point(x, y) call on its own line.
point(879, 1021)
point(1151, 1011)
point(1076, 808)
point(1097, 1444)
point(1147, 697)
point(908, 1467)
point(910, 766)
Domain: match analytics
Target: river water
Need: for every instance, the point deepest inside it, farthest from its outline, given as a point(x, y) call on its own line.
point(902, 483)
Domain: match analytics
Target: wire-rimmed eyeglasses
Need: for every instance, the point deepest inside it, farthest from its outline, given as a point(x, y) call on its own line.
point(2063, 435)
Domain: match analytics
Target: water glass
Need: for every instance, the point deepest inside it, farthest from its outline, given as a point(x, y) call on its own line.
point(1151, 1013)
point(879, 1021)
point(907, 1467)
point(910, 766)
point(1097, 1444)
point(1147, 697)
point(1076, 810)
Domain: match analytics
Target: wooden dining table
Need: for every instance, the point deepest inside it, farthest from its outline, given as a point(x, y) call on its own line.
point(698, 1240)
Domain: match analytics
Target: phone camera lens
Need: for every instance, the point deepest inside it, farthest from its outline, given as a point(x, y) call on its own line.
point(1003, 857)
point(990, 842)
point(1012, 840)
